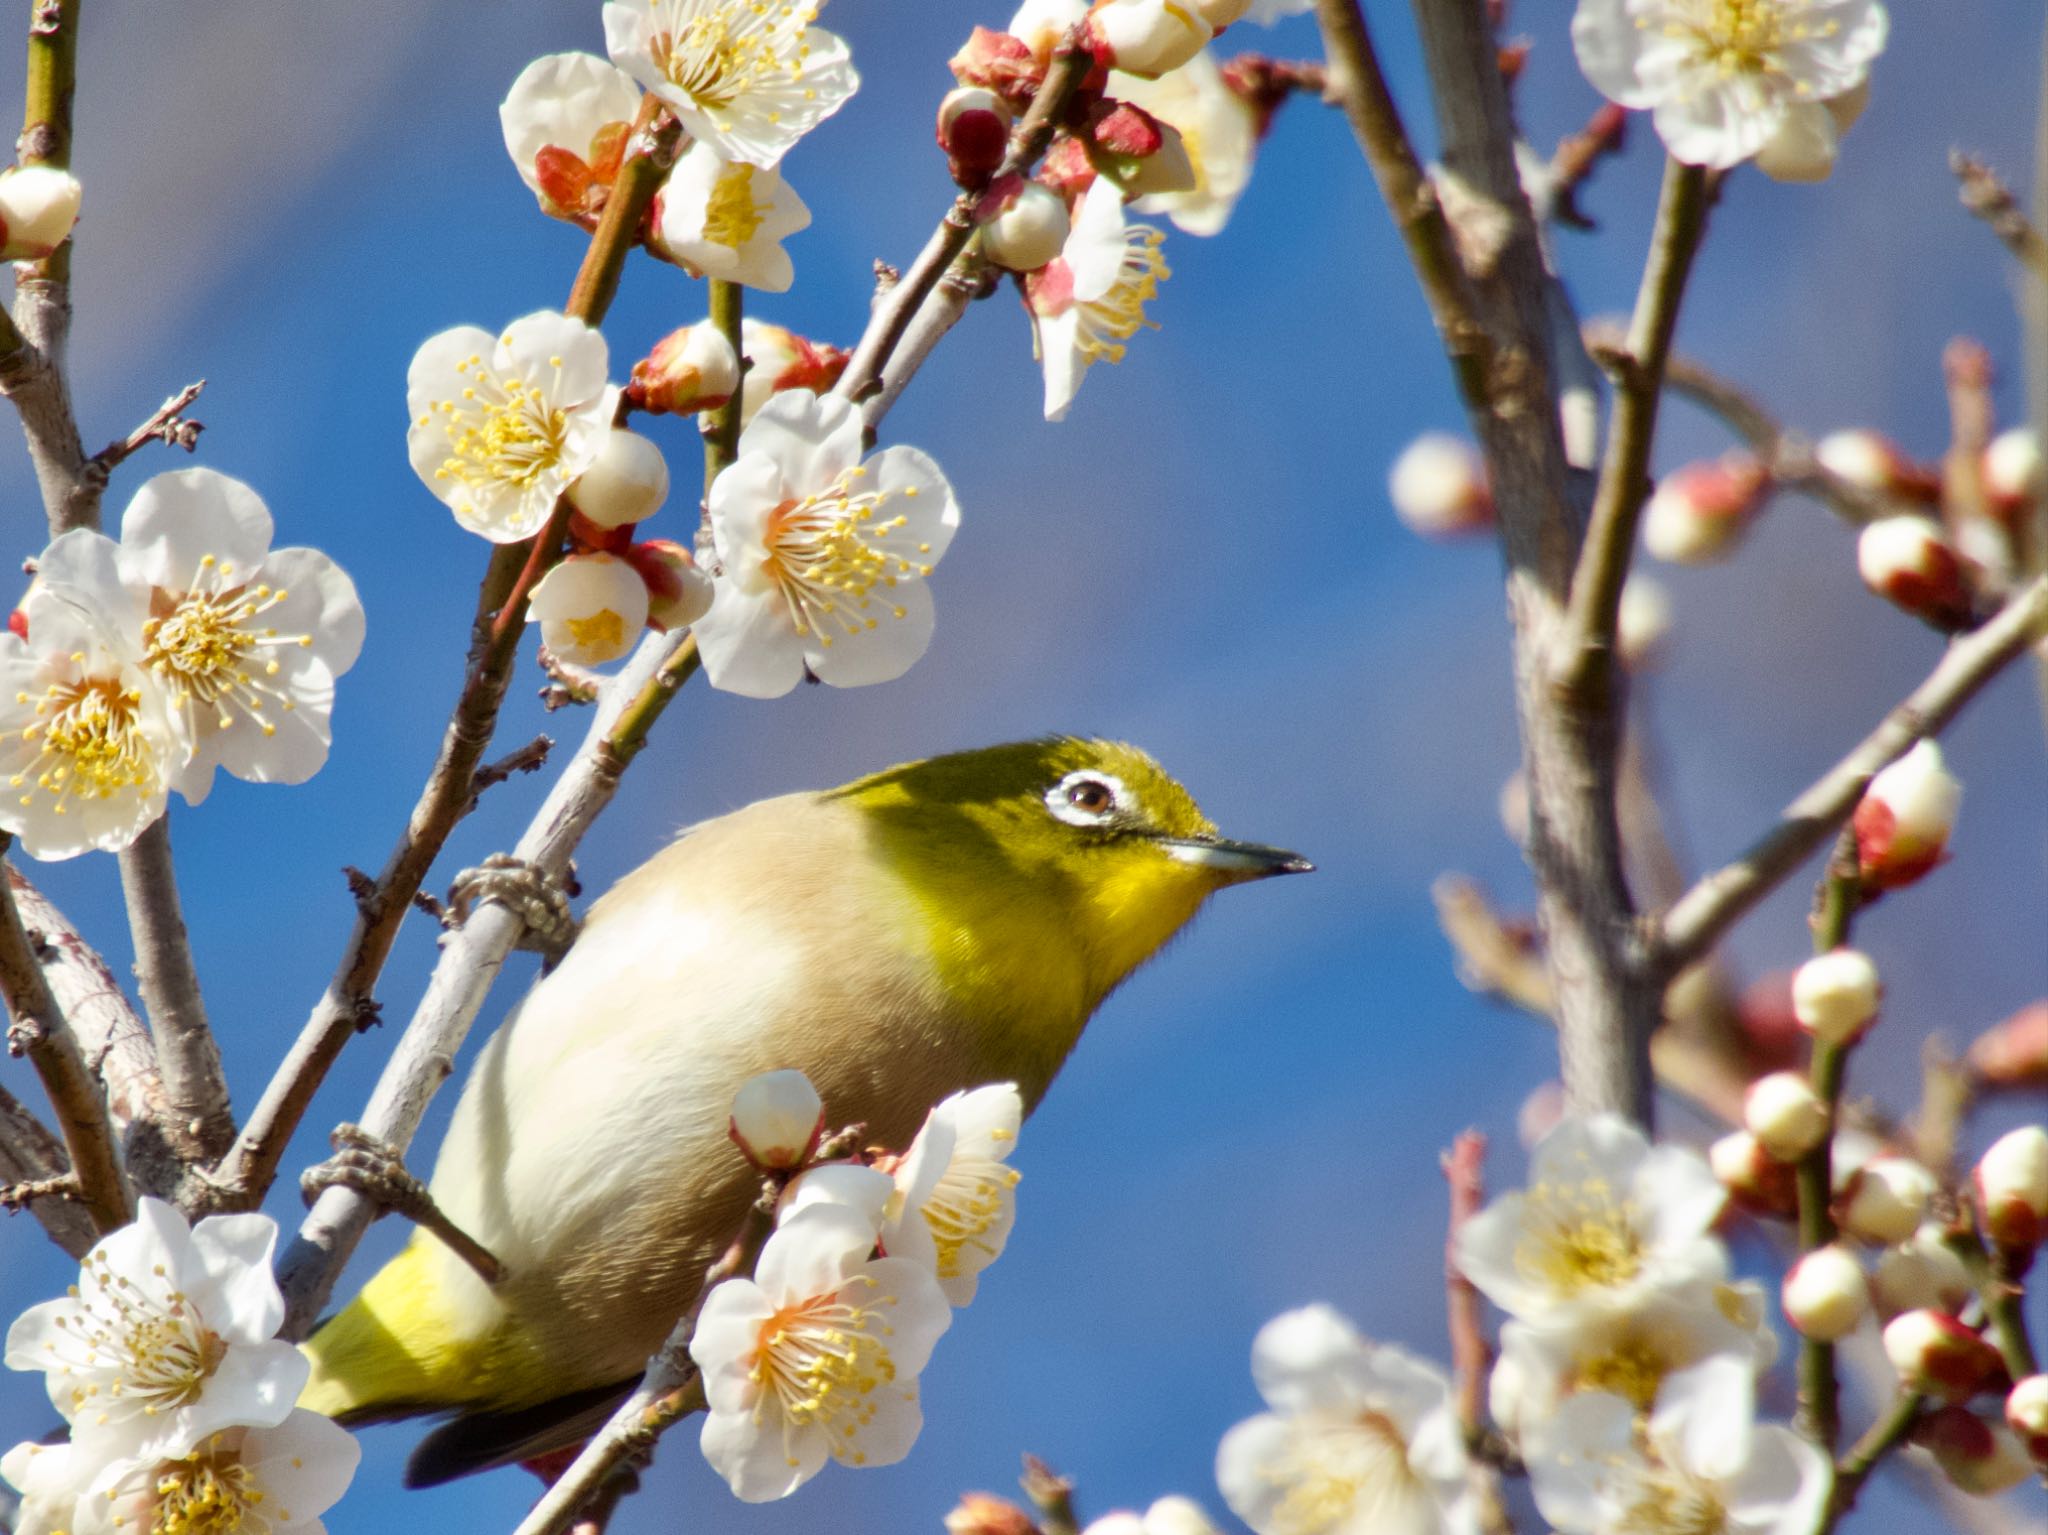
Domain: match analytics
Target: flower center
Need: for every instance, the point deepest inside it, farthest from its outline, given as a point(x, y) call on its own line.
point(207, 1495)
point(821, 1360)
point(825, 553)
point(1583, 1238)
point(91, 743)
point(208, 646)
point(501, 431)
point(731, 216)
point(603, 629)
point(1342, 1473)
point(1744, 37)
point(1633, 1369)
point(964, 1207)
point(156, 1347)
point(716, 51)
point(1106, 323)
point(1664, 1502)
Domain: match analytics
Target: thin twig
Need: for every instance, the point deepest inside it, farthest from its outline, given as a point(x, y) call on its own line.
point(1878, 1441)
point(1464, 1169)
point(1699, 917)
point(530, 758)
point(32, 1157)
point(1052, 1495)
point(1985, 195)
point(167, 425)
point(1578, 156)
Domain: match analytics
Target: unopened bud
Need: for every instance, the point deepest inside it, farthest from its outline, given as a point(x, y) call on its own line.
point(1825, 1294)
point(1909, 562)
point(1118, 1521)
point(1024, 225)
point(1873, 463)
point(1137, 151)
point(1176, 1515)
point(1904, 819)
point(38, 206)
point(781, 359)
point(1938, 1356)
point(982, 1513)
point(1438, 487)
point(1785, 1115)
point(1977, 1456)
point(2013, 1053)
point(1146, 37)
point(1001, 63)
point(1835, 995)
point(1922, 1271)
point(2026, 1413)
point(777, 1119)
point(1641, 623)
point(678, 593)
point(691, 369)
point(1700, 511)
point(590, 607)
point(974, 132)
point(1887, 1199)
point(2011, 1181)
point(2013, 472)
point(627, 483)
point(1041, 24)
point(1754, 1179)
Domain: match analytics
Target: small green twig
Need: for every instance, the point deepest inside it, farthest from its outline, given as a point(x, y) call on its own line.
point(1878, 1441)
point(721, 424)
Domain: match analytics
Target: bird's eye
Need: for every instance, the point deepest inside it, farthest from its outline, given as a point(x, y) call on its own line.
point(1091, 795)
point(1089, 799)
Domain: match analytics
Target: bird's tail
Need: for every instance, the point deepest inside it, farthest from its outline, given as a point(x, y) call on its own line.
point(393, 1351)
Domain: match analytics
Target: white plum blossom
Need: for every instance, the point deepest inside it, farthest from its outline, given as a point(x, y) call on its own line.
point(590, 608)
point(168, 1339)
point(1170, 1515)
point(1147, 37)
point(746, 78)
point(1362, 1439)
point(727, 219)
point(816, 1357)
point(824, 558)
point(502, 425)
point(246, 640)
point(1720, 76)
point(1606, 1220)
point(90, 741)
point(1217, 128)
point(38, 206)
point(1085, 305)
point(1040, 24)
point(957, 1194)
point(567, 119)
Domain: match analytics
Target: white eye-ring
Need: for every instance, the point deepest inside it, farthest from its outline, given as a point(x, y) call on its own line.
point(1088, 798)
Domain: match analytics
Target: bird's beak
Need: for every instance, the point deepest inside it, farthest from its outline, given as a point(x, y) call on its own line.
point(1237, 861)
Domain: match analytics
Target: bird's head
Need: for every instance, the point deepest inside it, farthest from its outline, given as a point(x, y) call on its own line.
point(1092, 835)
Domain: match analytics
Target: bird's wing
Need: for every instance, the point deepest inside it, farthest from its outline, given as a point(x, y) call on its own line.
point(481, 1441)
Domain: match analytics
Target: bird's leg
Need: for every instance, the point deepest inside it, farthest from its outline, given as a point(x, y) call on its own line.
point(373, 1169)
point(540, 902)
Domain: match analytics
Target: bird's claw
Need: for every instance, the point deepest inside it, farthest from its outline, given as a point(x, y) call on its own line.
point(373, 1168)
point(540, 902)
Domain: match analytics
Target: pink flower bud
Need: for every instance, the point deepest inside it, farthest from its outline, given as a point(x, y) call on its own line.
point(1754, 1179)
point(678, 593)
point(1438, 487)
point(1023, 225)
point(777, 1119)
point(1909, 562)
point(590, 607)
point(691, 369)
point(1887, 1198)
point(1139, 152)
point(980, 1513)
point(974, 132)
point(781, 359)
point(1146, 37)
point(1978, 1457)
point(627, 483)
point(1938, 1356)
point(2014, 1053)
point(1920, 1272)
point(2026, 1412)
point(2012, 1189)
point(1825, 1294)
point(1872, 462)
point(1785, 1115)
point(38, 206)
point(1904, 820)
point(1835, 995)
point(1001, 63)
point(2013, 472)
point(1699, 512)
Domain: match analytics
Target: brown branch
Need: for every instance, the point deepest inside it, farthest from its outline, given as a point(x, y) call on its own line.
point(1985, 195)
point(1966, 375)
point(1578, 155)
point(1699, 918)
point(530, 758)
point(1464, 1169)
point(167, 425)
point(32, 1159)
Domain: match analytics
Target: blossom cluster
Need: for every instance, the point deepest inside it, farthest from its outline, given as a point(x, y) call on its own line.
point(179, 1398)
point(816, 1355)
point(135, 667)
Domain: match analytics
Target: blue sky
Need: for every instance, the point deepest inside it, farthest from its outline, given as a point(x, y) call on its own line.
point(287, 198)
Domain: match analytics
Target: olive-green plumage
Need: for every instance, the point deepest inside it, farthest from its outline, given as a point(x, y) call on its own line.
point(935, 926)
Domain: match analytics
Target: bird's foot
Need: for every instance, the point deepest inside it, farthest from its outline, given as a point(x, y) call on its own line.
point(540, 902)
point(374, 1169)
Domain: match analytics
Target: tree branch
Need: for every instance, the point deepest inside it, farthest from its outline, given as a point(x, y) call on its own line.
point(168, 425)
point(1464, 1170)
point(1713, 905)
point(1991, 200)
point(30, 1156)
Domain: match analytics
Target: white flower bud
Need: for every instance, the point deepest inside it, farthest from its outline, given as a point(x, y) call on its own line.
point(1752, 1176)
point(1871, 462)
point(1908, 561)
point(678, 592)
point(626, 485)
point(2013, 471)
point(1938, 1356)
point(1921, 1272)
point(1029, 230)
point(691, 369)
point(1438, 487)
point(974, 131)
point(1825, 1294)
point(1835, 995)
point(38, 206)
point(1785, 1115)
point(1146, 37)
point(1176, 1515)
point(2012, 1188)
point(1040, 24)
point(2026, 1410)
point(1700, 511)
point(1978, 1457)
point(591, 608)
point(1905, 818)
point(1887, 1199)
point(777, 1119)
point(1641, 624)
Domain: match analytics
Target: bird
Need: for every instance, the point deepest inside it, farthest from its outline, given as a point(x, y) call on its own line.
point(937, 926)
